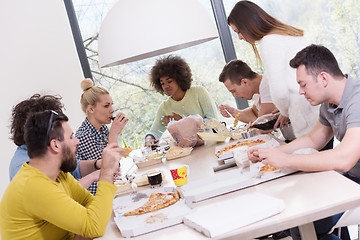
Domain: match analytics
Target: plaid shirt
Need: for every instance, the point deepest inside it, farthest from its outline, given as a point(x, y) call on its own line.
point(92, 143)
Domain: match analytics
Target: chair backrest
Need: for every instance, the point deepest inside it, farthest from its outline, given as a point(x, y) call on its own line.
point(350, 217)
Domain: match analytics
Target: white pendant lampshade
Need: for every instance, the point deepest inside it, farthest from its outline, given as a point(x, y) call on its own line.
point(139, 29)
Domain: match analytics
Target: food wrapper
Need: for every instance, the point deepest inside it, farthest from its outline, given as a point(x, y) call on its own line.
point(241, 157)
point(185, 131)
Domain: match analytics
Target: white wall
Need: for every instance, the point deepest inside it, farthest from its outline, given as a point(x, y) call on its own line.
point(37, 55)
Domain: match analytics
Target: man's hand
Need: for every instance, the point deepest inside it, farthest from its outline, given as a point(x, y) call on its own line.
point(274, 157)
point(253, 154)
point(271, 156)
point(110, 162)
point(167, 118)
point(231, 110)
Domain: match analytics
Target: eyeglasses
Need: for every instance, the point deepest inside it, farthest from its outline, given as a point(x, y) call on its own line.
point(50, 125)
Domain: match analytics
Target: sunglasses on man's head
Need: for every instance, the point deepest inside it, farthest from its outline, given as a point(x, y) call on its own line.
point(50, 125)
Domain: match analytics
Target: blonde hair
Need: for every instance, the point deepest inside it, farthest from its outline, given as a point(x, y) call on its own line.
point(254, 23)
point(91, 94)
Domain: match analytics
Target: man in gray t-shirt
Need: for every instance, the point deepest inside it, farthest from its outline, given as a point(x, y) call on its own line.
point(322, 82)
point(344, 119)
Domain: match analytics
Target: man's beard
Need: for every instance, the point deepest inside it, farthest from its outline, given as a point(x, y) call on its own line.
point(68, 163)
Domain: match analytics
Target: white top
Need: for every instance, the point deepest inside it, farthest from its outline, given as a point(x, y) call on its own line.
point(264, 95)
point(276, 52)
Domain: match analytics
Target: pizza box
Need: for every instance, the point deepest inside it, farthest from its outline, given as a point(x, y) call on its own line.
point(249, 208)
point(123, 189)
point(232, 180)
point(215, 185)
point(229, 154)
point(131, 226)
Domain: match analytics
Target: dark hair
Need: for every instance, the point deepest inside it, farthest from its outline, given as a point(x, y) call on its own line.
point(174, 67)
point(317, 59)
point(254, 23)
point(236, 70)
point(24, 109)
point(35, 131)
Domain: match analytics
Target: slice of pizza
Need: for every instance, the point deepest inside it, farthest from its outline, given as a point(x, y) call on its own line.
point(126, 151)
point(236, 120)
point(248, 143)
point(268, 168)
point(156, 201)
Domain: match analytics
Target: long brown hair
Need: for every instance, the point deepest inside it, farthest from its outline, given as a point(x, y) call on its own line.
point(254, 23)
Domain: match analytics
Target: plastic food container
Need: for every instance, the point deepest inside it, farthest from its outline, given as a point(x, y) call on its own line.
point(248, 133)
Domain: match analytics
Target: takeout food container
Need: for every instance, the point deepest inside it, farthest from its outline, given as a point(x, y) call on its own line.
point(248, 133)
point(209, 136)
point(229, 154)
point(130, 226)
point(149, 160)
point(178, 152)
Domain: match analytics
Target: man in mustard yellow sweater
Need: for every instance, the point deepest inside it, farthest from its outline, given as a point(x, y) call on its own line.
point(44, 201)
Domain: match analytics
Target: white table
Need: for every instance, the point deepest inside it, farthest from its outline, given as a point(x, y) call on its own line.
point(307, 196)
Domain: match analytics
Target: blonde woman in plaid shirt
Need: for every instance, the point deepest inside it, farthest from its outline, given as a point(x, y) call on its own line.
point(93, 134)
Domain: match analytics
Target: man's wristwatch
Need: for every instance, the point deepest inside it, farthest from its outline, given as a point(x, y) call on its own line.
point(95, 166)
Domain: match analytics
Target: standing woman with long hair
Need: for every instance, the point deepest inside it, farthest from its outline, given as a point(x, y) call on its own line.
point(93, 134)
point(278, 44)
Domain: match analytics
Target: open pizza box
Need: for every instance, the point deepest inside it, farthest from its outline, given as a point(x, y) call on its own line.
point(235, 179)
point(229, 181)
point(130, 226)
point(228, 154)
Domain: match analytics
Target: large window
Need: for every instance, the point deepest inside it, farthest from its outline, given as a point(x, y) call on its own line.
point(333, 23)
point(129, 83)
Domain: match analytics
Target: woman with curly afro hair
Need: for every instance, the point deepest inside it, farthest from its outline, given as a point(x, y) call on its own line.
point(172, 76)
